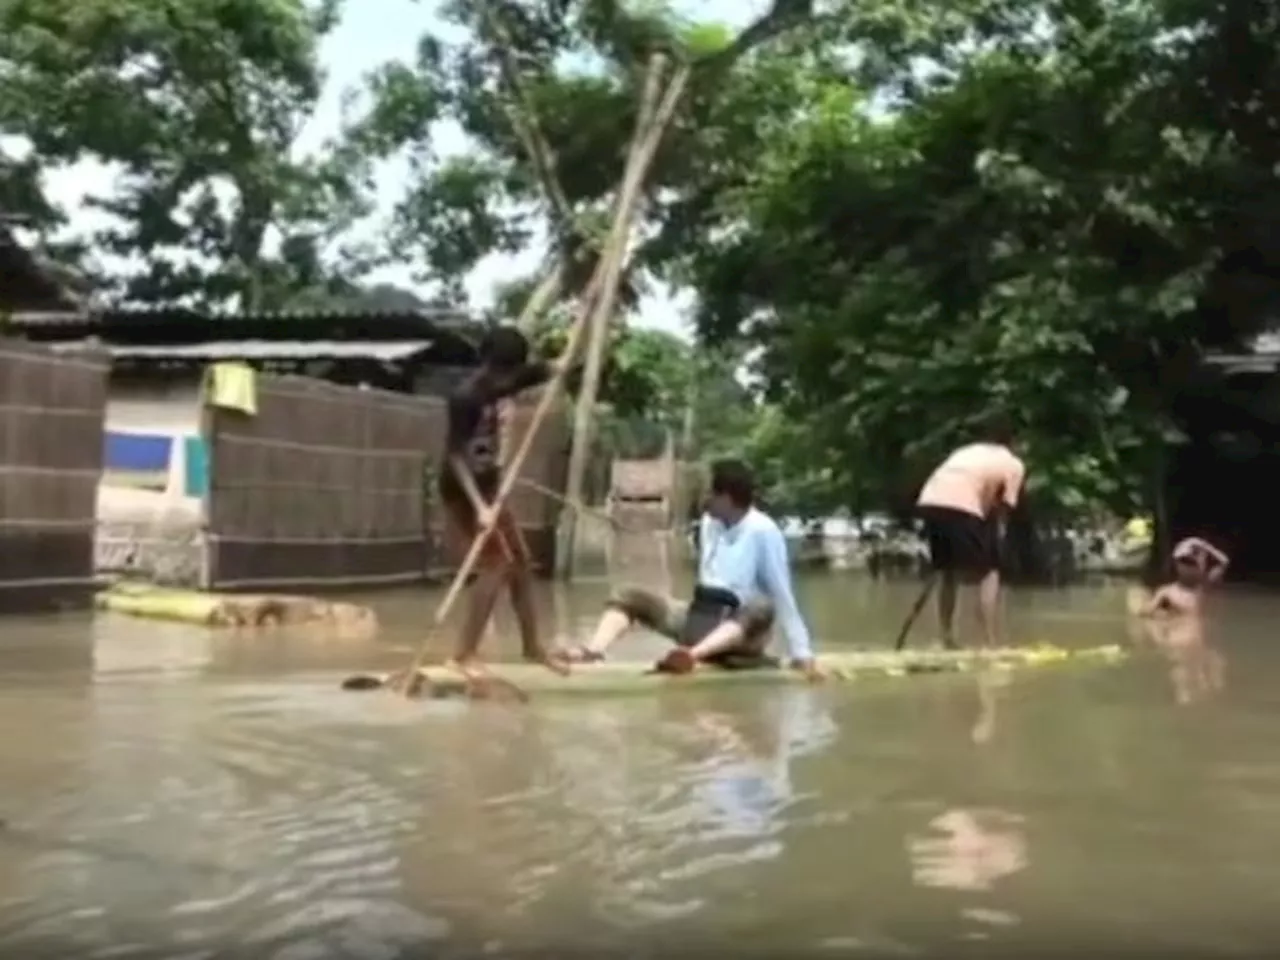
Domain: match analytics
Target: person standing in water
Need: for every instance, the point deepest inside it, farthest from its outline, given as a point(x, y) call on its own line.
point(470, 481)
point(965, 505)
point(1197, 564)
point(1173, 617)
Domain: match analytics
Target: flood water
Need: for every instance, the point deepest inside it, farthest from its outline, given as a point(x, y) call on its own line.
point(172, 792)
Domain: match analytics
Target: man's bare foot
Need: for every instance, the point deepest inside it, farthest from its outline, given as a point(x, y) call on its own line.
point(679, 661)
point(471, 668)
point(554, 660)
point(580, 653)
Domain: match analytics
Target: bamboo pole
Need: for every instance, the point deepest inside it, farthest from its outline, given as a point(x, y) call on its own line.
point(544, 294)
point(598, 293)
point(577, 505)
point(588, 394)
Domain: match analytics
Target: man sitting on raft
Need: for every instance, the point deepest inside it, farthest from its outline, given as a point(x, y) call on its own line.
point(744, 582)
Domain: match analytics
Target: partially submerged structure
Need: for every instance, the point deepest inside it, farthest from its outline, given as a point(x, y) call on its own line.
point(51, 411)
point(306, 462)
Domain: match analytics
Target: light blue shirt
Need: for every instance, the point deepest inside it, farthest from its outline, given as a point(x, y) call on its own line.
point(750, 559)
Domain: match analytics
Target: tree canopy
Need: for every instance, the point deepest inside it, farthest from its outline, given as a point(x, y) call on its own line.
point(894, 219)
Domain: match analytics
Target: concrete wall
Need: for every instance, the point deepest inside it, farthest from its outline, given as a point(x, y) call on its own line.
point(145, 408)
point(152, 532)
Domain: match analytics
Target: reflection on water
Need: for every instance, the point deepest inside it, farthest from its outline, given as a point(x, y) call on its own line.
point(968, 849)
point(170, 789)
point(1197, 668)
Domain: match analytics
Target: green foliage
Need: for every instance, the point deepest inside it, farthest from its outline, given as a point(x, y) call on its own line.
point(898, 218)
point(199, 105)
point(1037, 230)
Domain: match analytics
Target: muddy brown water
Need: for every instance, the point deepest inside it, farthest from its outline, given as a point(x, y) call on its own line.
point(167, 792)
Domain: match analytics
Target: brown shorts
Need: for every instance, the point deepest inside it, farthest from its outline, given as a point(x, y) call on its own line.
point(505, 546)
point(666, 615)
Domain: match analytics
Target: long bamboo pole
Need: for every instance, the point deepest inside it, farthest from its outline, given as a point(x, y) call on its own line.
point(584, 412)
point(598, 293)
point(577, 505)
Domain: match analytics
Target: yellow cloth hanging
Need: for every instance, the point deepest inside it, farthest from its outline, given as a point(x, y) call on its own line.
point(233, 386)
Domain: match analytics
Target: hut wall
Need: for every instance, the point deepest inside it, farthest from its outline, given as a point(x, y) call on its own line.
point(653, 479)
point(161, 407)
point(325, 487)
point(51, 418)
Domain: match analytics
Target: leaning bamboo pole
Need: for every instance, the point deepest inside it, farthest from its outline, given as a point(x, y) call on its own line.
point(781, 16)
point(598, 293)
point(589, 391)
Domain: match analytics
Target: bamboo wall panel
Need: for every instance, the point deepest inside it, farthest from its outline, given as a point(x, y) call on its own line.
point(325, 487)
point(52, 409)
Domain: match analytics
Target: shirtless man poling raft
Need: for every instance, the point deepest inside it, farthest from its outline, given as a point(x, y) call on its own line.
point(744, 584)
point(965, 504)
point(470, 481)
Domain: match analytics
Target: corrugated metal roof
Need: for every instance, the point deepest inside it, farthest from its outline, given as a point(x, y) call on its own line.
point(262, 350)
point(28, 281)
point(147, 313)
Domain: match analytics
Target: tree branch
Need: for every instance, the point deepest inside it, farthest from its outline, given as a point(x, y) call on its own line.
point(783, 16)
point(524, 119)
point(547, 292)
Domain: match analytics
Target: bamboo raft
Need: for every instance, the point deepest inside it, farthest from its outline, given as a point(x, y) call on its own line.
point(617, 677)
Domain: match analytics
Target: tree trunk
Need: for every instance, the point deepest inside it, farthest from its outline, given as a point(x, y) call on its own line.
point(1161, 534)
point(544, 295)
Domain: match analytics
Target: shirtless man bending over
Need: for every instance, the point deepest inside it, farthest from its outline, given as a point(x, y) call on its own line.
point(964, 505)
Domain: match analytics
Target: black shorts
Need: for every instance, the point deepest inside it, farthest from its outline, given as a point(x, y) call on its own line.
point(960, 542)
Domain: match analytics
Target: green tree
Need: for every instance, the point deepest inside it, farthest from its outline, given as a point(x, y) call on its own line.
point(566, 74)
point(1036, 229)
point(199, 104)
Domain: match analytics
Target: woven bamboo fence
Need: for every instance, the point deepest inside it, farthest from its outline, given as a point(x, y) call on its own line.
point(324, 487)
point(335, 487)
point(52, 409)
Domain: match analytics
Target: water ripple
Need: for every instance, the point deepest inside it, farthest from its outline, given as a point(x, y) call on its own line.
point(197, 811)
